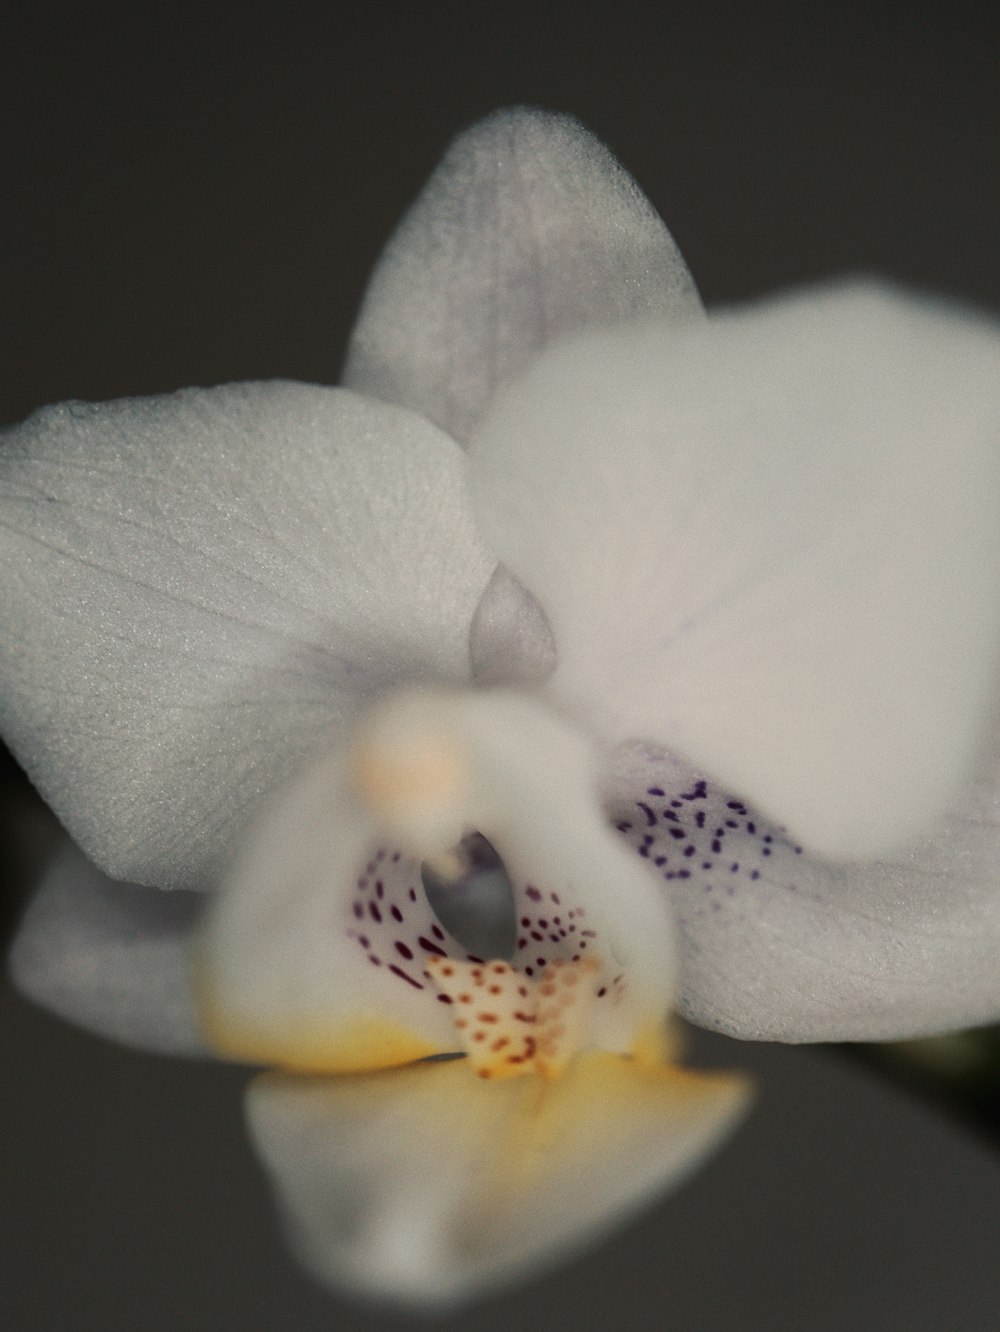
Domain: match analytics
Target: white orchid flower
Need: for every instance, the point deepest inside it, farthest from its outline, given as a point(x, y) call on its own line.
point(691, 623)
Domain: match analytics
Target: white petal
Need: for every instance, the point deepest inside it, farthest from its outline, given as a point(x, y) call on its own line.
point(428, 1187)
point(315, 952)
point(197, 587)
point(771, 544)
point(112, 957)
point(528, 230)
point(777, 944)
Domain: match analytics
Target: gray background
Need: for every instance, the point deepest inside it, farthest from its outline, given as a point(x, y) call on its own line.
point(189, 200)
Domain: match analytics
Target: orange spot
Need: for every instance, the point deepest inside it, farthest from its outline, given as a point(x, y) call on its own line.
point(431, 772)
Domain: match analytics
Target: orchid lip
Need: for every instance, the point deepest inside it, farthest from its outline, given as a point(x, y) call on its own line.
point(323, 953)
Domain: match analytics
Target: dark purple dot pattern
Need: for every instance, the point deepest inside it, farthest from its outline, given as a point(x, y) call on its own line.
point(705, 842)
point(392, 922)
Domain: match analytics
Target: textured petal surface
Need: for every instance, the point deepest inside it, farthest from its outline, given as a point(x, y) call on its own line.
point(528, 230)
point(426, 1186)
point(112, 957)
point(197, 587)
point(772, 544)
point(777, 944)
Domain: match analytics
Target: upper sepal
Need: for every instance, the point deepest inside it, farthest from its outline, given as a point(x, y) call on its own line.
point(529, 230)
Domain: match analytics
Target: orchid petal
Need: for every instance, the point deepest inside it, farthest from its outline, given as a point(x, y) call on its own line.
point(111, 957)
point(321, 948)
point(528, 230)
point(427, 1186)
point(313, 954)
point(770, 544)
point(777, 944)
point(198, 587)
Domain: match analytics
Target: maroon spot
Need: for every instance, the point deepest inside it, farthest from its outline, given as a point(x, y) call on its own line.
point(374, 912)
point(533, 893)
point(398, 971)
point(404, 950)
point(429, 947)
point(396, 914)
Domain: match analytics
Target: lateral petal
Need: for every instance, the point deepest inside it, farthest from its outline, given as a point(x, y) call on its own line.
point(780, 945)
point(426, 1186)
point(771, 544)
point(528, 230)
point(199, 587)
point(111, 957)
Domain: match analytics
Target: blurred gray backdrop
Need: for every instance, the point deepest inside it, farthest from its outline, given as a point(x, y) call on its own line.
point(192, 197)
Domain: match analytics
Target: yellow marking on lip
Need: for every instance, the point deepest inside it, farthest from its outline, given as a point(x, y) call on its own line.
point(359, 1043)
